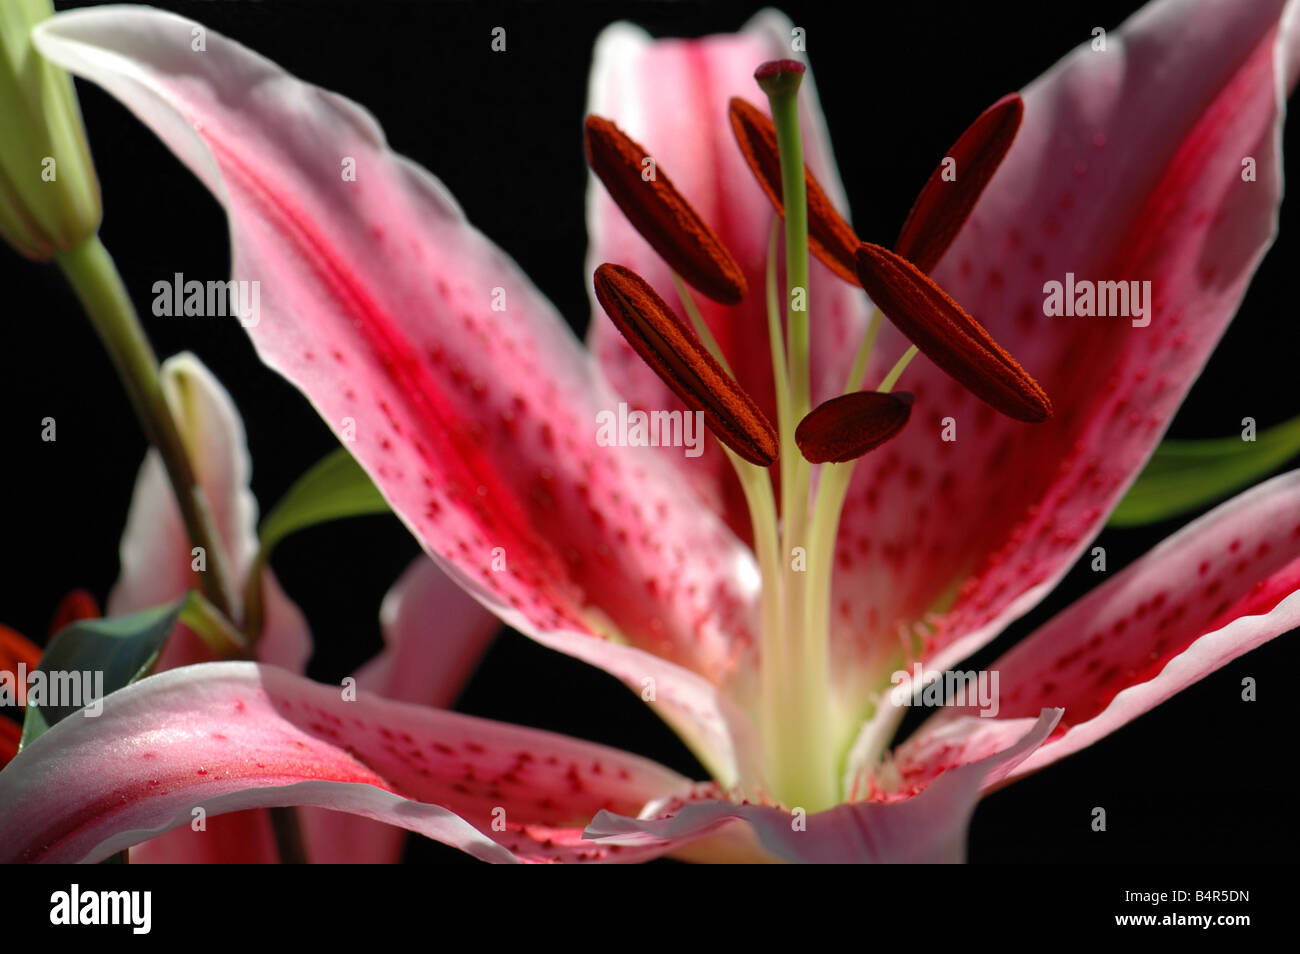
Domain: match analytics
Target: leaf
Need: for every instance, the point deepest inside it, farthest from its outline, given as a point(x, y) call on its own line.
point(121, 648)
point(1184, 475)
point(335, 487)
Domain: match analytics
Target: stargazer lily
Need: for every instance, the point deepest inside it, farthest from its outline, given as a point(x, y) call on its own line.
point(671, 573)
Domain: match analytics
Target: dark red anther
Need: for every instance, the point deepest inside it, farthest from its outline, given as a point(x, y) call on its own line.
point(829, 237)
point(943, 206)
point(661, 214)
point(948, 336)
point(676, 354)
point(846, 427)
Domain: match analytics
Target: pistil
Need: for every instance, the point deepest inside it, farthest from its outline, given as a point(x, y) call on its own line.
point(798, 746)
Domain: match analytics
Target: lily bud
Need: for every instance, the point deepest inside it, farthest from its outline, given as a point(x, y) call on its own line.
point(49, 196)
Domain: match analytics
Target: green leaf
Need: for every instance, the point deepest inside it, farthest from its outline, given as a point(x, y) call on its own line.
point(121, 648)
point(335, 487)
point(1184, 475)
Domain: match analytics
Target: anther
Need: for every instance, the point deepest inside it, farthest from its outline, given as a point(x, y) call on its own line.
point(846, 427)
point(948, 336)
point(676, 354)
point(661, 214)
point(830, 238)
point(944, 204)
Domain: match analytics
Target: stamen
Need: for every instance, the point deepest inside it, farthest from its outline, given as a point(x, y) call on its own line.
point(676, 354)
point(846, 427)
point(950, 338)
point(661, 214)
point(943, 206)
point(830, 238)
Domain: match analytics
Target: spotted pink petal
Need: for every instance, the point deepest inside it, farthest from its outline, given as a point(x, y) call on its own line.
point(231, 736)
point(478, 426)
point(1128, 166)
point(434, 636)
point(671, 96)
point(1217, 589)
point(926, 827)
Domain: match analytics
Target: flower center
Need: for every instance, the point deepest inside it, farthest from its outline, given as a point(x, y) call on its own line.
point(801, 748)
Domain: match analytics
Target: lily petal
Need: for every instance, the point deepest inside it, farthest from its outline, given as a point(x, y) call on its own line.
point(478, 426)
point(1220, 587)
point(672, 96)
point(156, 565)
point(232, 736)
point(1127, 167)
point(927, 827)
point(155, 551)
point(434, 636)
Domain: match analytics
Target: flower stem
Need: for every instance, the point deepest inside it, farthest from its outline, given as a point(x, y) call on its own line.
point(95, 279)
point(288, 835)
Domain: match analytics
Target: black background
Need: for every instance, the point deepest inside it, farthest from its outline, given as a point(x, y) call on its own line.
point(1205, 777)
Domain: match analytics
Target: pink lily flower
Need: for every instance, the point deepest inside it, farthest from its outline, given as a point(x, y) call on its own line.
point(478, 428)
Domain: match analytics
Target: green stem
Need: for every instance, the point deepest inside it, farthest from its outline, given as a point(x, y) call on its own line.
point(800, 763)
point(780, 376)
point(288, 835)
point(785, 117)
point(897, 370)
point(832, 490)
point(214, 628)
point(864, 353)
point(697, 322)
point(95, 279)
